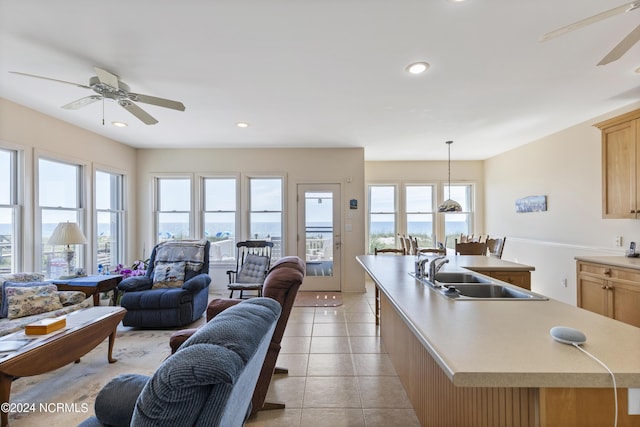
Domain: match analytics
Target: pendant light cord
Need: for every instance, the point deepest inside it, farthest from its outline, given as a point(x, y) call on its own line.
point(449, 187)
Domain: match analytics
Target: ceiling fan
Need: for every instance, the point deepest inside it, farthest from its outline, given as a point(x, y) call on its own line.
point(621, 48)
point(108, 85)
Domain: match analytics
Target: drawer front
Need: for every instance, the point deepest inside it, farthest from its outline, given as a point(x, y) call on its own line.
point(594, 269)
point(521, 279)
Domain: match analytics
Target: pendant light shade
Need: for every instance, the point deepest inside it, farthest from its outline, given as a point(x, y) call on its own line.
point(450, 205)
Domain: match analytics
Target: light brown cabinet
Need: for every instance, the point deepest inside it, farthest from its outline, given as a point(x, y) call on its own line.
point(609, 290)
point(621, 166)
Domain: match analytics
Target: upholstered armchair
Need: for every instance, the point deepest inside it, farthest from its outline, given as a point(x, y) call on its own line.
point(175, 290)
point(281, 284)
point(208, 382)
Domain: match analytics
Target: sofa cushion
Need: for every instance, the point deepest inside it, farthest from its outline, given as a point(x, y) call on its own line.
point(253, 269)
point(168, 274)
point(4, 308)
point(68, 298)
point(25, 301)
point(117, 399)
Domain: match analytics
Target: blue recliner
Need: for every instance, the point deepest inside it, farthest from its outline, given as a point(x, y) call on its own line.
point(209, 381)
point(175, 290)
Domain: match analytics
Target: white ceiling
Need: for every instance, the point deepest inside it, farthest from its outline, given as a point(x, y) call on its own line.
point(324, 73)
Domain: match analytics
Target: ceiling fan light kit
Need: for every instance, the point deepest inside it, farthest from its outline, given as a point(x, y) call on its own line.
point(109, 86)
point(621, 48)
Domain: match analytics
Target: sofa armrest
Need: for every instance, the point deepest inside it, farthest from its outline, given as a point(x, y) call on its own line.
point(135, 283)
point(116, 401)
point(219, 305)
point(197, 283)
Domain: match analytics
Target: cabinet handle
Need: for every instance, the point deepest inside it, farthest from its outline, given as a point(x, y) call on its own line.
point(607, 272)
point(632, 211)
point(603, 287)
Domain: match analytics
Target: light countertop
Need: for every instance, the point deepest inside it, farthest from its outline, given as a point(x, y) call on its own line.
point(506, 343)
point(617, 261)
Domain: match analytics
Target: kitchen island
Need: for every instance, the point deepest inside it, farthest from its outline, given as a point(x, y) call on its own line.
point(475, 363)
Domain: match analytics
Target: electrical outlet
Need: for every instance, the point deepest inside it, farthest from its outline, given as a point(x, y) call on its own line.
point(634, 401)
point(618, 240)
point(563, 282)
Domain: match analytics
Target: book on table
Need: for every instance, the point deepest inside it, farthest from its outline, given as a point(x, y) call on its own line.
point(45, 326)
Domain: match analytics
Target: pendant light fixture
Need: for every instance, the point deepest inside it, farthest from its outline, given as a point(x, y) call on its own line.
point(450, 205)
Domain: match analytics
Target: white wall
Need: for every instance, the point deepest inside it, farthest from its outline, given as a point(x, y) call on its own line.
point(566, 167)
point(34, 134)
point(296, 164)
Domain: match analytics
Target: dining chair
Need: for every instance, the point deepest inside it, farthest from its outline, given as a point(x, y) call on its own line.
point(471, 248)
point(496, 246)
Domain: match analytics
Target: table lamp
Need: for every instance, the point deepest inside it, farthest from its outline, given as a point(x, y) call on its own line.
point(67, 233)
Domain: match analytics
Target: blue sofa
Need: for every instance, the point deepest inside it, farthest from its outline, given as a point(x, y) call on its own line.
point(209, 381)
point(168, 307)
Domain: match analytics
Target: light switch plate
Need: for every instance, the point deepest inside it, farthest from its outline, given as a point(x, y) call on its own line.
point(634, 401)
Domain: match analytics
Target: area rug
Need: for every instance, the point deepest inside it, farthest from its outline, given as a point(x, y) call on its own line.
point(318, 299)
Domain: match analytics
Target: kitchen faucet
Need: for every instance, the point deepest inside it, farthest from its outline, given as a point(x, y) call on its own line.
point(435, 266)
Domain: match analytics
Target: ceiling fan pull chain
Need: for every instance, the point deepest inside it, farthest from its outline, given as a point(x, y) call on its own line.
point(103, 111)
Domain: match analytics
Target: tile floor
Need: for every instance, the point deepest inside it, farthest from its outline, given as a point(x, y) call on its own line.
point(339, 375)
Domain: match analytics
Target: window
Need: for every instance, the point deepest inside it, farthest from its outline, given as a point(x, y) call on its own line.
point(10, 237)
point(266, 211)
point(109, 199)
point(60, 199)
point(419, 214)
point(220, 217)
point(382, 217)
point(173, 209)
point(459, 222)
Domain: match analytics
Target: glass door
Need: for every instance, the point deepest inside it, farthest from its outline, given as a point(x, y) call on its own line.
point(319, 235)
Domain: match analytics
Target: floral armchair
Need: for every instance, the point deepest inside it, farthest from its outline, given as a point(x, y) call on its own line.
point(174, 291)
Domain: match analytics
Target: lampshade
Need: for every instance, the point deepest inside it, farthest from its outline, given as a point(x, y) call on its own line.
point(450, 205)
point(67, 233)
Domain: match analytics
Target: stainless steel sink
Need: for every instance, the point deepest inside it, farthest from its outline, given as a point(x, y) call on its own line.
point(489, 291)
point(466, 286)
point(459, 277)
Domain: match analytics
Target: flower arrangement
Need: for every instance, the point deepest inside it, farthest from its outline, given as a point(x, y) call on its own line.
point(138, 268)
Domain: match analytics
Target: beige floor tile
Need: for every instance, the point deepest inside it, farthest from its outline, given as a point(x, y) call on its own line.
point(295, 363)
point(363, 329)
point(391, 418)
point(287, 389)
point(366, 345)
point(330, 345)
point(329, 330)
point(329, 316)
point(373, 365)
point(332, 417)
point(330, 365)
point(295, 344)
point(298, 329)
point(331, 392)
point(301, 317)
point(276, 418)
point(360, 317)
point(383, 392)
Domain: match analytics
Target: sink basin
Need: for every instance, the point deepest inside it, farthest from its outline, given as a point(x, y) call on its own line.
point(459, 277)
point(490, 291)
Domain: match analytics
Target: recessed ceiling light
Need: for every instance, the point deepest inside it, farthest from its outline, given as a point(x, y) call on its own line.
point(417, 67)
point(242, 124)
point(119, 124)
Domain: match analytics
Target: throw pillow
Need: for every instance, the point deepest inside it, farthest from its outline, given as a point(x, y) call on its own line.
point(4, 308)
point(33, 300)
point(68, 298)
point(168, 274)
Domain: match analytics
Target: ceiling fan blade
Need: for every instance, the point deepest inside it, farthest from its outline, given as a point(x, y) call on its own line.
point(628, 7)
point(82, 102)
point(145, 117)
point(107, 77)
point(160, 102)
point(47, 78)
point(621, 48)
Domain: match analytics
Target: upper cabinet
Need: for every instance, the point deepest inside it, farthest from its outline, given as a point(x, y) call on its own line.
point(621, 166)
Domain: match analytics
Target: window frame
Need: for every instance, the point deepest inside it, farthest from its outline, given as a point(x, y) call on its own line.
point(157, 201)
point(120, 210)
point(14, 206)
point(277, 252)
point(394, 212)
point(202, 212)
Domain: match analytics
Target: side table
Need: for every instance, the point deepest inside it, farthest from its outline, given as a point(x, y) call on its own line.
point(92, 285)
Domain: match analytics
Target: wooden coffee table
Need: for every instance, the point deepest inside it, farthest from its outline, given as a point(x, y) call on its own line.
point(84, 331)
